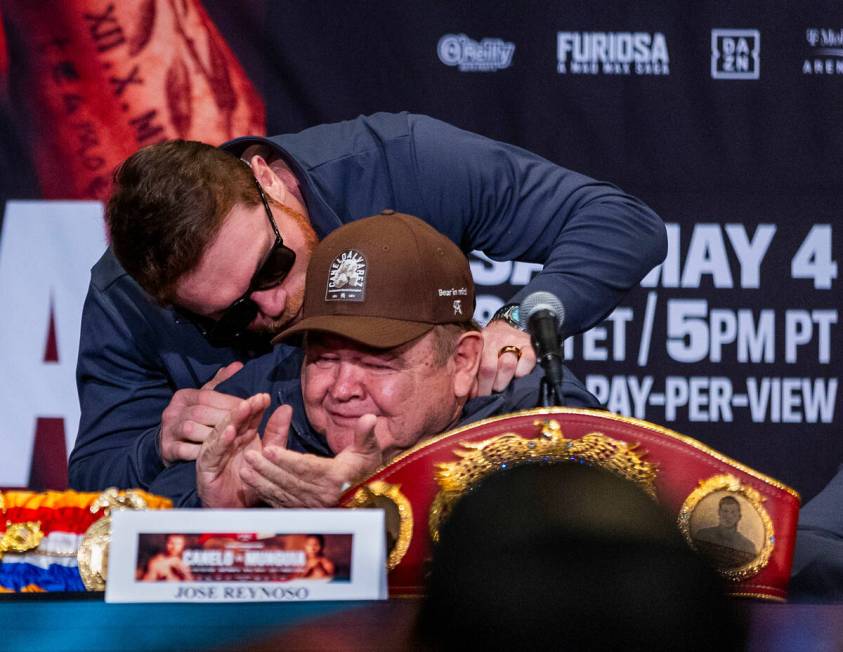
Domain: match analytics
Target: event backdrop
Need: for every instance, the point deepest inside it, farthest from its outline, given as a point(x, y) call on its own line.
point(725, 119)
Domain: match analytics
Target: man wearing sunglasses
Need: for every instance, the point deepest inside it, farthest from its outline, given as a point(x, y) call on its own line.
point(233, 322)
point(208, 269)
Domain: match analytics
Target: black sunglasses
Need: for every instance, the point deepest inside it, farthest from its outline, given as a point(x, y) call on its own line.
point(274, 267)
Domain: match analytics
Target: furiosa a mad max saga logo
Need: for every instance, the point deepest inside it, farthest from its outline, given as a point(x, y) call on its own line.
point(612, 53)
point(468, 55)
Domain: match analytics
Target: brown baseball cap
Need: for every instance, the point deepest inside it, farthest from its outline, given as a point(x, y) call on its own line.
point(384, 281)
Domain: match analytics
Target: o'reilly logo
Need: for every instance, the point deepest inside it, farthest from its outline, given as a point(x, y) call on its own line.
point(612, 53)
point(469, 55)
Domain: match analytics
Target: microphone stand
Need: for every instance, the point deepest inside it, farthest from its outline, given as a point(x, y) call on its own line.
point(550, 393)
point(550, 359)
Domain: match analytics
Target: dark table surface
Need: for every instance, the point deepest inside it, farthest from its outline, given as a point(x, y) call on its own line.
point(61, 623)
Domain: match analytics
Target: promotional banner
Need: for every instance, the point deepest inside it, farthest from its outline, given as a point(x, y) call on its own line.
point(724, 119)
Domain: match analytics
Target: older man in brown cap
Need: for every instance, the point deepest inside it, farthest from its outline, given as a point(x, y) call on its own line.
point(390, 357)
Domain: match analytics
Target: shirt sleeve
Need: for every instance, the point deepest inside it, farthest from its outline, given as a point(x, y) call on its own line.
point(178, 482)
point(821, 517)
point(818, 554)
point(595, 241)
point(121, 395)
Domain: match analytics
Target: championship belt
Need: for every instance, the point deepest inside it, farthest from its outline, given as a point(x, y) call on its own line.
point(706, 491)
point(58, 540)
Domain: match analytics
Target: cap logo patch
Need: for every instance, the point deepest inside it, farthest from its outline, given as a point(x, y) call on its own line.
point(347, 277)
point(457, 306)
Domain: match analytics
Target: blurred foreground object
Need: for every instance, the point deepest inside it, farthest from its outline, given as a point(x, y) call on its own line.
point(564, 556)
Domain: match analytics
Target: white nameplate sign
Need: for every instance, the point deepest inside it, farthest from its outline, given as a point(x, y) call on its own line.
point(256, 555)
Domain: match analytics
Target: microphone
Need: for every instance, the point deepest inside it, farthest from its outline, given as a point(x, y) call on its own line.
point(541, 314)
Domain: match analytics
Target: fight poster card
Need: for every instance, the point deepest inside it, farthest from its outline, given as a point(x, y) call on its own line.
point(246, 556)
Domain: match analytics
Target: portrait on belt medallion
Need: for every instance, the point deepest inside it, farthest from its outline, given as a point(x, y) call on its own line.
point(726, 522)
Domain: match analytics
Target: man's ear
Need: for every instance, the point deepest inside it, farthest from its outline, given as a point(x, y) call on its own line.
point(276, 179)
point(466, 361)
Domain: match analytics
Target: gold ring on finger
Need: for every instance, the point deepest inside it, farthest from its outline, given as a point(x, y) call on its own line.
point(509, 348)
